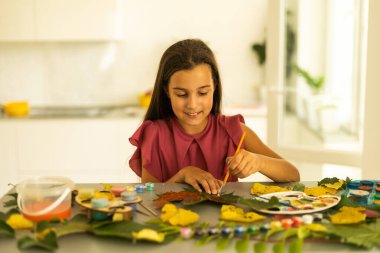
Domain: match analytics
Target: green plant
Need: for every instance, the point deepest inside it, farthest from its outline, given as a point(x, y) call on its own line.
point(315, 83)
point(259, 49)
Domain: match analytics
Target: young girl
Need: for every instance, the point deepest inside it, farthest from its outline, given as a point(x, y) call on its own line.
point(184, 137)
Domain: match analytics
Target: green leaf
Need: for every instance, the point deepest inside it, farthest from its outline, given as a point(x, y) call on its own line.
point(206, 239)
point(289, 233)
point(279, 247)
point(328, 180)
point(223, 242)
point(78, 224)
point(122, 229)
point(260, 247)
point(295, 246)
point(272, 232)
point(3, 216)
point(258, 204)
point(299, 187)
point(10, 203)
point(302, 233)
point(346, 201)
point(241, 246)
point(363, 235)
point(49, 242)
point(6, 230)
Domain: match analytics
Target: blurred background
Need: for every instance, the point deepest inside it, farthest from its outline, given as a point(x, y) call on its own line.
point(76, 76)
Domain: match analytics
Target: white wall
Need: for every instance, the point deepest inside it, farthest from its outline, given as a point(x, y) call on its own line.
point(87, 73)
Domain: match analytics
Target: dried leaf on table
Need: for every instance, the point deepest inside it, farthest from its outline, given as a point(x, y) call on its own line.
point(178, 216)
point(319, 191)
point(149, 235)
point(348, 215)
point(189, 197)
point(233, 213)
point(260, 189)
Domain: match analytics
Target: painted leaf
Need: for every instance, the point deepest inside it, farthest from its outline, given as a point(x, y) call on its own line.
point(319, 191)
point(18, 221)
point(232, 213)
point(260, 189)
point(178, 216)
point(149, 235)
point(348, 215)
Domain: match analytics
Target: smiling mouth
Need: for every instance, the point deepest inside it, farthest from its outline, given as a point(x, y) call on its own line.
point(194, 114)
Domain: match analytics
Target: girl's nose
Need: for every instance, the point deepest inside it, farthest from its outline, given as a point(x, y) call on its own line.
point(192, 101)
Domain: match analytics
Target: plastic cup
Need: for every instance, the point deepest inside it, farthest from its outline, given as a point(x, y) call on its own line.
point(45, 198)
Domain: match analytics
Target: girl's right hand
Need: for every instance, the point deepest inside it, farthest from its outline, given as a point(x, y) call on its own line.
point(197, 177)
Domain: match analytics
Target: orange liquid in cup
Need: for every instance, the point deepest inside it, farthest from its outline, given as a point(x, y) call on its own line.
point(61, 212)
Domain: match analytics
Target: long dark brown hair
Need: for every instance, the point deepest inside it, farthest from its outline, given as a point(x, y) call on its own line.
point(183, 55)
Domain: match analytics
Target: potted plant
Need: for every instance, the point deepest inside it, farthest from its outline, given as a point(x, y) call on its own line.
point(320, 109)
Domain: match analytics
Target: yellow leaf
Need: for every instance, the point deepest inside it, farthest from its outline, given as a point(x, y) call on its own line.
point(260, 189)
point(18, 221)
point(232, 213)
point(149, 235)
point(348, 215)
point(178, 217)
point(319, 191)
point(315, 227)
point(335, 185)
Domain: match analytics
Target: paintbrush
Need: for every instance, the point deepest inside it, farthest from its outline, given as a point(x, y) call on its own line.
point(228, 170)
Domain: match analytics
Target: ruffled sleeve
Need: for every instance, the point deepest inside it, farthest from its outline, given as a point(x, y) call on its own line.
point(233, 127)
point(146, 140)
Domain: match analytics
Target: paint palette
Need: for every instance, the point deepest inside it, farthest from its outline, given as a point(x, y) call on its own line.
point(115, 206)
point(296, 202)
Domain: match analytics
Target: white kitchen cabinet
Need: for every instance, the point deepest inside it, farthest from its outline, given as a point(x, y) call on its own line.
point(17, 20)
point(62, 20)
point(85, 150)
point(80, 19)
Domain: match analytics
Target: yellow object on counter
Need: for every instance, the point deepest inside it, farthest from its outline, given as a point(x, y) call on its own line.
point(16, 109)
point(144, 99)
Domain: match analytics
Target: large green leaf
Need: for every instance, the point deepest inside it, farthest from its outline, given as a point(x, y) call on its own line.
point(364, 235)
point(6, 230)
point(258, 204)
point(78, 224)
point(48, 242)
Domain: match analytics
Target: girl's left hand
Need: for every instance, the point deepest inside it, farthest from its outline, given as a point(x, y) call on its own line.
point(243, 164)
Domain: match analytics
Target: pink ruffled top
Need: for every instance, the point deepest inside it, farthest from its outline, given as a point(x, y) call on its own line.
point(166, 148)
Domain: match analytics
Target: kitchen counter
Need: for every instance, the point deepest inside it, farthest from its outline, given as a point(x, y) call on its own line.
point(81, 112)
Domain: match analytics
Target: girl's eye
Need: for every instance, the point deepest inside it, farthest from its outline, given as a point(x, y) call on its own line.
point(203, 93)
point(181, 95)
